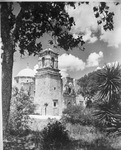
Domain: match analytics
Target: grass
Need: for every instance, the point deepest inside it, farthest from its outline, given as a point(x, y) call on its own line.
point(88, 138)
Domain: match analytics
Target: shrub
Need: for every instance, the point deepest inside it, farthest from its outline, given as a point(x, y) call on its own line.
point(102, 143)
point(78, 115)
point(54, 136)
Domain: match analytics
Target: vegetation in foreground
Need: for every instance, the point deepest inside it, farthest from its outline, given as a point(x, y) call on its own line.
point(56, 137)
point(91, 128)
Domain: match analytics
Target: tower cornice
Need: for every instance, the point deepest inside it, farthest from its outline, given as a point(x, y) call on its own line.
point(46, 51)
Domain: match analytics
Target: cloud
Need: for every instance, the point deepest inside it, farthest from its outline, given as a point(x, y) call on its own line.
point(69, 63)
point(94, 59)
point(64, 73)
point(91, 38)
point(85, 21)
point(113, 38)
point(98, 68)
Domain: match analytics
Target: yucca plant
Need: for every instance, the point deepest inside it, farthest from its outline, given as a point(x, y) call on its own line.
point(111, 82)
point(108, 108)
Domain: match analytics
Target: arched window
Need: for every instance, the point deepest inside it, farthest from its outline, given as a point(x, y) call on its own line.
point(43, 62)
point(69, 90)
point(52, 60)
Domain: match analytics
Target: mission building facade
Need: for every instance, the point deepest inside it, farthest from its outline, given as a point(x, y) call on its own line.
point(51, 93)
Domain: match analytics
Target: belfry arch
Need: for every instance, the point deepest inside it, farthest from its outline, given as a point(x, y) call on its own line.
point(43, 61)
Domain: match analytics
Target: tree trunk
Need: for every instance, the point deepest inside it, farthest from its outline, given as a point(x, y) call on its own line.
point(7, 64)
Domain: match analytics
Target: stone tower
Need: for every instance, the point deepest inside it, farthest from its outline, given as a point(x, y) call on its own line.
point(48, 84)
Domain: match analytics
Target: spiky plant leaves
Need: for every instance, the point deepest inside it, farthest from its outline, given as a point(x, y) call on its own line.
point(111, 82)
point(108, 108)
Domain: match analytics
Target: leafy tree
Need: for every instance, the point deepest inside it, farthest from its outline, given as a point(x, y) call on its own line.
point(88, 85)
point(23, 30)
point(21, 107)
point(108, 105)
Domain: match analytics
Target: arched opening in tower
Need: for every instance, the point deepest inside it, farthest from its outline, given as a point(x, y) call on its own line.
point(52, 60)
point(43, 62)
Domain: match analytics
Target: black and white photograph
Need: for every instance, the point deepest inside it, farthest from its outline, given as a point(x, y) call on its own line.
point(60, 75)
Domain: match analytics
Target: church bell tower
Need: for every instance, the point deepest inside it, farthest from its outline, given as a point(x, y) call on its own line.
point(48, 84)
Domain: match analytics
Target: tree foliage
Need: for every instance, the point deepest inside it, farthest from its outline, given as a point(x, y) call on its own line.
point(21, 107)
point(104, 16)
point(37, 18)
point(88, 85)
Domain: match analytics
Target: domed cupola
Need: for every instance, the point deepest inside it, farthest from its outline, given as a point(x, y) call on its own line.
point(24, 76)
point(27, 72)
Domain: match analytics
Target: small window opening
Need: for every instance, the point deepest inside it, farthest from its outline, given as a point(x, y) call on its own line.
point(52, 62)
point(43, 62)
point(55, 103)
point(17, 80)
point(69, 90)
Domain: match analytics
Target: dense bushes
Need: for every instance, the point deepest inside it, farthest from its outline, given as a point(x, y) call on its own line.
point(86, 117)
point(54, 136)
point(78, 115)
point(98, 144)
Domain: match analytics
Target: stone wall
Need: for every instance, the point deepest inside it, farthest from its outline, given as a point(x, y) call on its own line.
point(48, 94)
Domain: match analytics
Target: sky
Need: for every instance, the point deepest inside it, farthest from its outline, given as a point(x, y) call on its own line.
point(101, 47)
